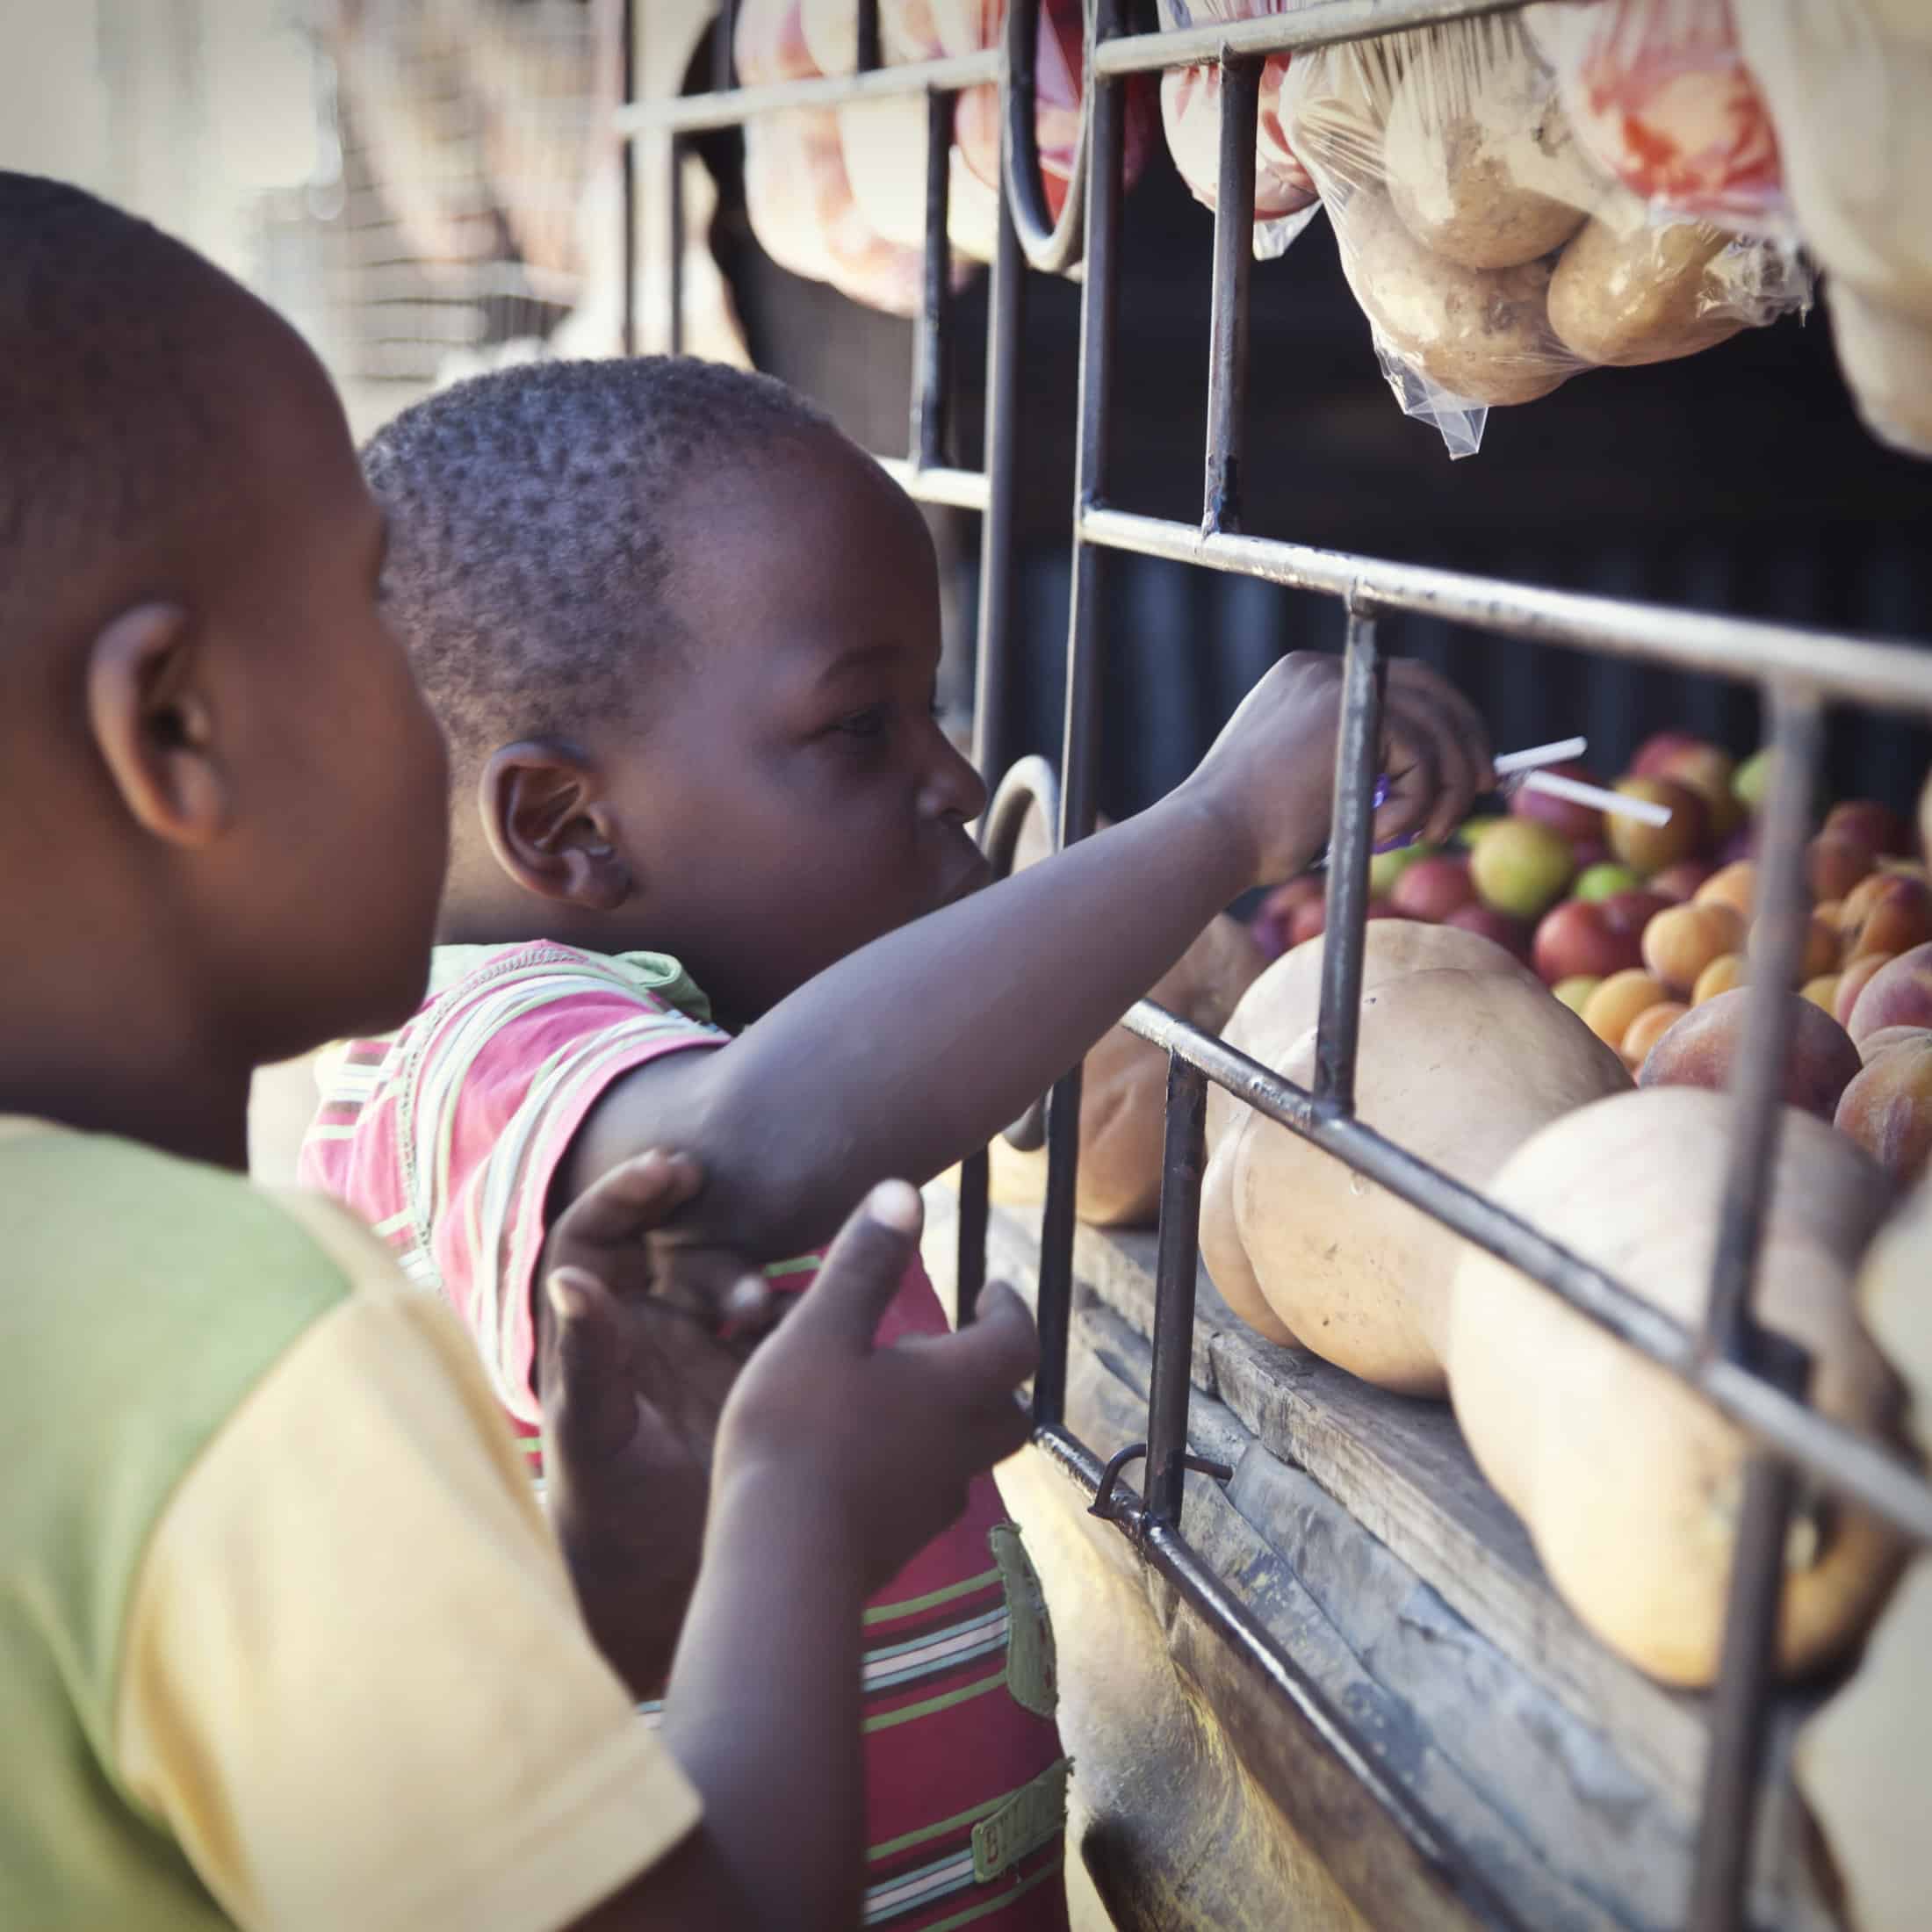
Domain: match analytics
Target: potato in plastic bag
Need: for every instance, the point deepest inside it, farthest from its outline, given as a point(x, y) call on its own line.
point(1493, 258)
point(1284, 192)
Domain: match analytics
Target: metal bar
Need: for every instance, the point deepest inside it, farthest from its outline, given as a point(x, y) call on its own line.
point(1050, 246)
point(627, 161)
point(1784, 907)
point(1846, 1462)
point(975, 1205)
point(958, 489)
point(723, 39)
point(674, 294)
point(1175, 1276)
point(1276, 1672)
point(1889, 675)
point(1006, 322)
point(1079, 758)
point(927, 439)
point(1351, 836)
point(868, 35)
point(1228, 331)
point(695, 114)
point(1320, 24)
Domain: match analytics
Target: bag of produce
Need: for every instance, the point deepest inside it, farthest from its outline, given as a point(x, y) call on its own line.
point(1850, 84)
point(1284, 193)
point(1659, 95)
point(1492, 257)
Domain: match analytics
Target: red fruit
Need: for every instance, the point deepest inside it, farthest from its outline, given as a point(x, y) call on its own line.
point(1307, 921)
point(1432, 888)
point(1578, 939)
point(1743, 843)
point(1511, 935)
point(1591, 851)
point(1700, 1048)
point(1681, 881)
point(1574, 821)
point(1659, 750)
point(1273, 924)
point(1870, 823)
point(1834, 862)
point(1632, 912)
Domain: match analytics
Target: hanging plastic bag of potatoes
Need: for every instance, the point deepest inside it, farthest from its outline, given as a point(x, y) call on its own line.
point(1284, 193)
point(1493, 256)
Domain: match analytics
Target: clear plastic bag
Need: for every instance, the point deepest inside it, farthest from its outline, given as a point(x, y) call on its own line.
point(1849, 85)
point(1660, 96)
point(1492, 257)
point(1283, 192)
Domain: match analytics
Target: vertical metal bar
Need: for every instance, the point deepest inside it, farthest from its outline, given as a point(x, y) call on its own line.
point(1005, 320)
point(1733, 1765)
point(1351, 834)
point(1080, 746)
point(674, 282)
point(974, 1205)
point(1184, 1157)
point(868, 36)
point(1234, 257)
point(930, 360)
point(627, 163)
point(724, 32)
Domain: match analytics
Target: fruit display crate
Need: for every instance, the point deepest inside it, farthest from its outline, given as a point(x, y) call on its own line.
point(1395, 1720)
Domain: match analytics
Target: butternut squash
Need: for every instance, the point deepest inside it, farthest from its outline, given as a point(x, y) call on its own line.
point(1630, 1486)
point(1462, 1055)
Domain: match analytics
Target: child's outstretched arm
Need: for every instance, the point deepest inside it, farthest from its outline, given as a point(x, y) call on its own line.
point(915, 1049)
point(808, 1516)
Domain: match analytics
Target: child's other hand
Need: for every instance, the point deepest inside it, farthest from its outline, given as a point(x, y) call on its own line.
point(886, 1438)
point(634, 1373)
point(1269, 776)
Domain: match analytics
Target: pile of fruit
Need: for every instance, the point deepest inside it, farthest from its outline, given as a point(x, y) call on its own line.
point(1648, 933)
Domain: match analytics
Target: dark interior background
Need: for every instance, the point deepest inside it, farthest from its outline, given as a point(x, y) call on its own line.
point(1739, 480)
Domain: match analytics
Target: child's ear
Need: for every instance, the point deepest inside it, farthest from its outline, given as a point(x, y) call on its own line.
point(155, 725)
point(550, 827)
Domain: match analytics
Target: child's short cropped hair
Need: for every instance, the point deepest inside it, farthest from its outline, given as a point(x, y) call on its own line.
point(530, 554)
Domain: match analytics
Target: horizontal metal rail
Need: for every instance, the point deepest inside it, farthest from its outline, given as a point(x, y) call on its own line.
point(1323, 23)
point(1890, 675)
point(695, 113)
point(955, 489)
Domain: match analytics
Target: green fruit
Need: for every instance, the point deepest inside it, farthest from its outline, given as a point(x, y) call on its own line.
point(1751, 783)
point(1521, 867)
point(1472, 829)
point(1576, 990)
point(1387, 867)
point(1600, 881)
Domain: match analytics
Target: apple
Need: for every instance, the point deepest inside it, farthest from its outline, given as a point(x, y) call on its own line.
point(1273, 921)
point(1723, 975)
point(1563, 816)
point(1590, 852)
point(1386, 868)
point(1307, 921)
point(1887, 1108)
point(1709, 772)
point(1578, 938)
point(1650, 848)
point(1735, 885)
point(1618, 1000)
point(1683, 880)
point(1471, 831)
point(1898, 994)
point(1654, 757)
point(1683, 940)
point(1852, 981)
point(1752, 784)
point(1509, 933)
point(1897, 919)
point(1632, 912)
point(1700, 1049)
point(1834, 865)
point(1520, 867)
point(1434, 888)
point(1576, 990)
point(1865, 822)
point(1650, 1026)
point(1599, 882)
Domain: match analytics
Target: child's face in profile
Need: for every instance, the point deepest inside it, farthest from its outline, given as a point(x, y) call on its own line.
point(791, 796)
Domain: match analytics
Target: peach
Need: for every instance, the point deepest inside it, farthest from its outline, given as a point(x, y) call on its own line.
point(1876, 826)
point(1683, 940)
point(1822, 992)
point(1834, 866)
point(1852, 981)
point(1831, 911)
point(1735, 885)
point(1898, 994)
point(1511, 935)
point(1580, 937)
point(1710, 772)
point(1906, 869)
point(1618, 1000)
point(1875, 1043)
point(1652, 757)
point(1650, 848)
point(1434, 888)
point(1899, 918)
point(1723, 975)
point(1887, 1108)
point(1855, 907)
point(1576, 990)
point(1699, 1051)
point(1684, 880)
point(1650, 1026)
point(1819, 954)
point(1563, 816)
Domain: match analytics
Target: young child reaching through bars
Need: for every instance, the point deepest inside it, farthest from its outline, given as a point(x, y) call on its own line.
point(712, 885)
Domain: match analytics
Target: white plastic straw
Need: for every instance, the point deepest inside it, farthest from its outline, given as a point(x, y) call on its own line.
point(1540, 754)
point(1613, 802)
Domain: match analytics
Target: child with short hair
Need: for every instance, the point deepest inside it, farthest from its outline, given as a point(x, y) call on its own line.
point(712, 882)
point(284, 1642)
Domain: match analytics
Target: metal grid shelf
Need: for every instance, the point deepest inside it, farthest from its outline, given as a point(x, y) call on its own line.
point(1754, 1377)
